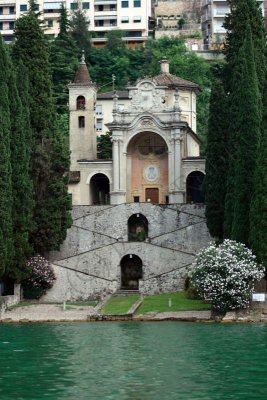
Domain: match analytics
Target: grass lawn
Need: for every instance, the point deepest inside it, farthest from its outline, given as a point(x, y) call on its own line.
point(25, 303)
point(119, 304)
point(160, 303)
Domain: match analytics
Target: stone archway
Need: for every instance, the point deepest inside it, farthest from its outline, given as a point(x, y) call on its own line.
point(99, 189)
point(137, 228)
point(194, 187)
point(131, 272)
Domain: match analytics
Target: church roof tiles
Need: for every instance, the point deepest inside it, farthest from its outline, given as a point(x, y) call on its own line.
point(172, 81)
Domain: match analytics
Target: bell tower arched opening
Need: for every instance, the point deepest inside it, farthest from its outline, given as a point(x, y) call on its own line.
point(99, 189)
point(131, 272)
point(194, 187)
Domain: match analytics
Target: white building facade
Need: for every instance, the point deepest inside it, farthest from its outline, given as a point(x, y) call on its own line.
point(213, 15)
point(131, 16)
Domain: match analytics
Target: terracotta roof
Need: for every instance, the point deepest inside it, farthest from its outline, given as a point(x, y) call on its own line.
point(82, 75)
point(123, 94)
point(172, 81)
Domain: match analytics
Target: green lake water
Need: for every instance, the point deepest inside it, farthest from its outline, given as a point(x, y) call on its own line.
point(133, 361)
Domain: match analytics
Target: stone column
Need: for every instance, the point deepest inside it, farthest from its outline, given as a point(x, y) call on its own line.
point(176, 193)
point(115, 153)
point(117, 194)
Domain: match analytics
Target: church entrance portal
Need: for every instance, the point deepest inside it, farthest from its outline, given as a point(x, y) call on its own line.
point(99, 187)
point(194, 187)
point(131, 272)
point(152, 195)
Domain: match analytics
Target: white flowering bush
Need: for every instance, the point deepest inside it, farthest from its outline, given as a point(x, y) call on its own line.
point(225, 275)
point(41, 277)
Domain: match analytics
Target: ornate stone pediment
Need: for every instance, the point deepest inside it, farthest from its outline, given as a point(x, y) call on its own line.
point(147, 97)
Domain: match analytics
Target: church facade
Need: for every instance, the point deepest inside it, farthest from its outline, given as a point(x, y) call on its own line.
point(138, 218)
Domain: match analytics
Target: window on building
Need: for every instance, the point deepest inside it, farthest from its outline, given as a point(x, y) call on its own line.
point(112, 7)
point(98, 109)
point(8, 39)
point(1, 10)
point(137, 3)
point(81, 122)
point(23, 7)
point(1, 26)
point(74, 6)
point(113, 22)
point(100, 8)
point(99, 23)
point(136, 199)
point(86, 6)
point(124, 4)
point(136, 19)
point(99, 125)
point(50, 23)
point(12, 25)
point(11, 10)
point(35, 7)
point(124, 20)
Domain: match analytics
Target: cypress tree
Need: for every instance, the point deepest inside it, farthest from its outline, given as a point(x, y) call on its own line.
point(79, 29)
point(248, 121)
point(216, 160)
point(242, 13)
point(258, 212)
point(49, 157)
point(22, 186)
point(6, 227)
point(64, 62)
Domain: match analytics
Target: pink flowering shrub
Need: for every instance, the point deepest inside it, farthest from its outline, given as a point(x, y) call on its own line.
point(225, 275)
point(41, 277)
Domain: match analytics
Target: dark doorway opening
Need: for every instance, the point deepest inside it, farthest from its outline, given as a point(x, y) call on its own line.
point(131, 272)
point(99, 186)
point(137, 228)
point(194, 187)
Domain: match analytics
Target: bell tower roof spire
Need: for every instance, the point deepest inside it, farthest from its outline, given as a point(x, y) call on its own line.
point(82, 75)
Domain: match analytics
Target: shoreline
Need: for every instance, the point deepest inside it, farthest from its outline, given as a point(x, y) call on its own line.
point(45, 313)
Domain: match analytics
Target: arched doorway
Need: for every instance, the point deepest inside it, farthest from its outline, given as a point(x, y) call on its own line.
point(131, 272)
point(99, 188)
point(147, 168)
point(137, 228)
point(194, 187)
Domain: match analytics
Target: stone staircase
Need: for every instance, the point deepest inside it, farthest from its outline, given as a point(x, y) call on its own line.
point(125, 292)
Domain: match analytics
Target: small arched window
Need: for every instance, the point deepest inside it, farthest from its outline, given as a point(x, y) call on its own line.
point(80, 103)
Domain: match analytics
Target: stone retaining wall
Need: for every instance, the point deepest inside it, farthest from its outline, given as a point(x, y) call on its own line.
point(88, 263)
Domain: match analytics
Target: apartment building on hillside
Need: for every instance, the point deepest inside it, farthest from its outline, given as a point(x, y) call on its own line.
point(131, 16)
point(213, 14)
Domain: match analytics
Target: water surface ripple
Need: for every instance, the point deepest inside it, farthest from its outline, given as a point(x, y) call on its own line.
point(133, 361)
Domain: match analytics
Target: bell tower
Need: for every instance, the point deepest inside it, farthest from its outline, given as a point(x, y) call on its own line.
point(82, 133)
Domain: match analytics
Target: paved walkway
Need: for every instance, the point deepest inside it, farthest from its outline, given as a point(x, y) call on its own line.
point(47, 313)
point(55, 312)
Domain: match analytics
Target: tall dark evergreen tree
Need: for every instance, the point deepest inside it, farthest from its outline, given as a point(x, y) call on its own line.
point(247, 124)
point(6, 226)
point(64, 57)
point(79, 29)
point(22, 185)
point(258, 212)
point(216, 160)
point(242, 13)
point(49, 158)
